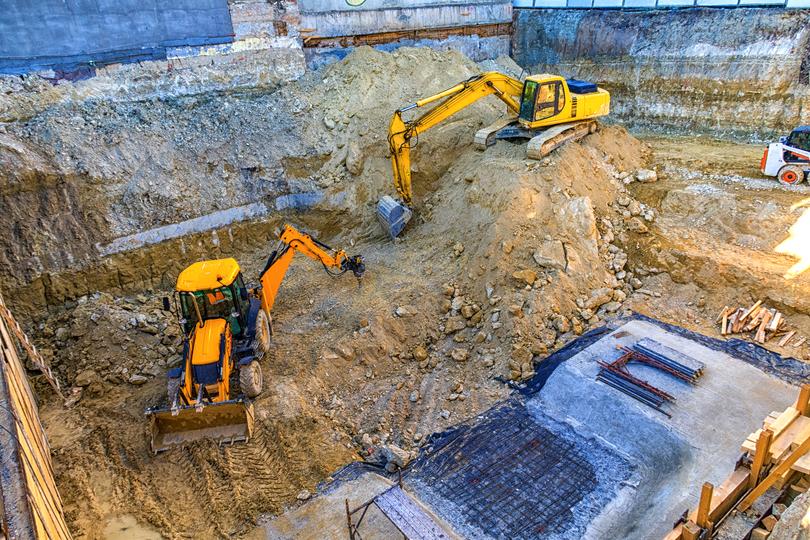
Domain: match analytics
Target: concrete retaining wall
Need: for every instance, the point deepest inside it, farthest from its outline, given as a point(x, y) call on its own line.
point(45, 34)
point(740, 71)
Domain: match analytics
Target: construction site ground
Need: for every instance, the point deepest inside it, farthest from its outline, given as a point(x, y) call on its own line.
point(506, 260)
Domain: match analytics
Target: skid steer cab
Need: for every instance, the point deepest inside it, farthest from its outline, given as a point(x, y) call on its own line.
point(789, 159)
point(226, 334)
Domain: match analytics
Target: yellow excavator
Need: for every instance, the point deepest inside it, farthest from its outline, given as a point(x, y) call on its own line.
point(228, 328)
point(549, 110)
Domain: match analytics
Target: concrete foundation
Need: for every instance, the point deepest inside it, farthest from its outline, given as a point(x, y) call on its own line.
point(578, 459)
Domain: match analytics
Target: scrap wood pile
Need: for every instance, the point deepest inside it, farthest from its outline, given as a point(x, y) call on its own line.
point(761, 322)
point(650, 353)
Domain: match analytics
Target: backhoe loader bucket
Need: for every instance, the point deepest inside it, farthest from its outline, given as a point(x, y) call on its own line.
point(228, 421)
point(393, 215)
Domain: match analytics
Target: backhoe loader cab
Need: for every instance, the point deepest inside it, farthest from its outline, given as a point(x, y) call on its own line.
point(218, 290)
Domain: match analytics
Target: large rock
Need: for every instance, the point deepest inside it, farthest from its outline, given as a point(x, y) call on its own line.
point(551, 254)
point(396, 455)
point(527, 276)
point(599, 297)
point(646, 175)
point(86, 378)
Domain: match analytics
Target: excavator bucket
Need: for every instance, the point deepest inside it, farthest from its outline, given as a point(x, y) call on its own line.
point(228, 421)
point(393, 215)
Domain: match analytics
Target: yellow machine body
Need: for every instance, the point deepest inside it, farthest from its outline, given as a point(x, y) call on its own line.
point(547, 101)
point(226, 326)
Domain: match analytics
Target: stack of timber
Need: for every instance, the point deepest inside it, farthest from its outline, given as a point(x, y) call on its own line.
point(776, 460)
point(760, 322)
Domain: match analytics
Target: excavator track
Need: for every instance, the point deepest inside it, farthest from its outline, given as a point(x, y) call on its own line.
point(486, 137)
point(552, 138)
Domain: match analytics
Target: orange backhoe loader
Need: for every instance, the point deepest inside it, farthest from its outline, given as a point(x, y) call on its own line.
point(228, 329)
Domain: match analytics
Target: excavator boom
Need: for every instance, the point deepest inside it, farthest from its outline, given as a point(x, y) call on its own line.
point(335, 262)
point(394, 215)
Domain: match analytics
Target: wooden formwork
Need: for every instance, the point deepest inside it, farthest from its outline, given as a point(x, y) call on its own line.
point(31, 505)
point(775, 456)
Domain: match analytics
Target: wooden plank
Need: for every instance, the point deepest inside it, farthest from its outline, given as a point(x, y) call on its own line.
point(761, 454)
point(704, 505)
point(780, 424)
point(798, 343)
point(790, 438)
point(802, 464)
point(727, 494)
point(774, 475)
point(774, 324)
point(803, 401)
point(691, 531)
point(723, 314)
point(784, 341)
point(750, 310)
point(724, 325)
point(759, 534)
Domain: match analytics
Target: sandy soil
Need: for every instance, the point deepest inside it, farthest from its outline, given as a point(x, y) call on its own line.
point(506, 260)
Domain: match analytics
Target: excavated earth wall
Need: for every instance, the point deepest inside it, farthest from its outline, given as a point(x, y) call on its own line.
point(724, 71)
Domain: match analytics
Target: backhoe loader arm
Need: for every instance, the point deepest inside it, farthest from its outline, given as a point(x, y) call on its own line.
point(335, 262)
point(400, 132)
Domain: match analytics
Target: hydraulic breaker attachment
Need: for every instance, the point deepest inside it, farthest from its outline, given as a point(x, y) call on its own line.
point(227, 421)
point(393, 215)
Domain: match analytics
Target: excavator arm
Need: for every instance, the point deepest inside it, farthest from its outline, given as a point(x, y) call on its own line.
point(451, 101)
point(335, 262)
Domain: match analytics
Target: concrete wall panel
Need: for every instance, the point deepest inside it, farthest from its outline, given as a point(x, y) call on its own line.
point(63, 33)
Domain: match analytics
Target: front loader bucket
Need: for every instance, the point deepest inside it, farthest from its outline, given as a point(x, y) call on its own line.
point(228, 421)
point(393, 215)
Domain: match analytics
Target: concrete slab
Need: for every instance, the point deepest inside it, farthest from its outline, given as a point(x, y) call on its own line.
point(325, 515)
point(674, 456)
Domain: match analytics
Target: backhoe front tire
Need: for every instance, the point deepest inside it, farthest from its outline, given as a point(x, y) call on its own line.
point(262, 336)
point(250, 379)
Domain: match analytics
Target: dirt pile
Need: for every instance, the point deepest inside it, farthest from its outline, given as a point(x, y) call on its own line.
point(82, 172)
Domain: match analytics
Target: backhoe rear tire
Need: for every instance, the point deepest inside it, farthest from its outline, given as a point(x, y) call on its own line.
point(250, 379)
point(262, 339)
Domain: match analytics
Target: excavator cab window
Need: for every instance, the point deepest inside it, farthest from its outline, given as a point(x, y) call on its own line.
point(541, 101)
point(213, 304)
point(548, 101)
point(527, 101)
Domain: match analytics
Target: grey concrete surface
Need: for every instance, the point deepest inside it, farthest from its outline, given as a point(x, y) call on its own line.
point(325, 515)
point(701, 442)
point(54, 33)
